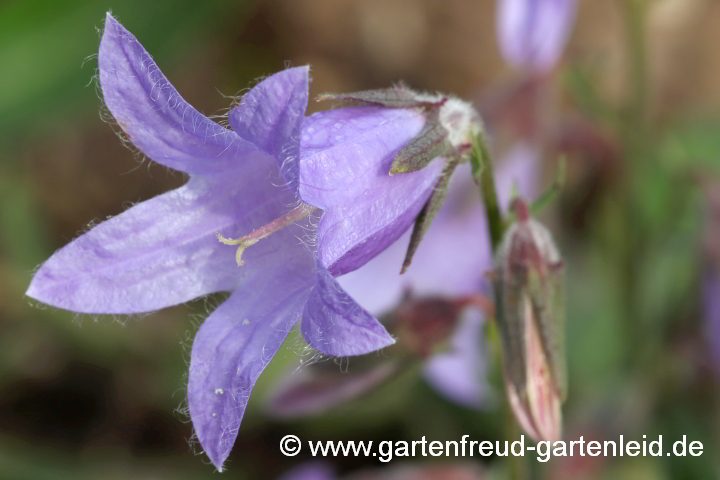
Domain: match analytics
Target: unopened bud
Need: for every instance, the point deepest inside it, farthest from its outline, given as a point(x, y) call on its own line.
point(529, 302)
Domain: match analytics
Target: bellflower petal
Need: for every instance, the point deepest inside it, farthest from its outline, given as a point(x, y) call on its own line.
point(533, 33)
point(155, 117)
point(163, 252)
point(334, 324)
point(234, 346)
point(275, 110)
point(346, 155)
point(146, 258)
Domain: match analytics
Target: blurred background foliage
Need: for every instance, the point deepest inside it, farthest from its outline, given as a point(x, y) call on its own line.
point(91, 398)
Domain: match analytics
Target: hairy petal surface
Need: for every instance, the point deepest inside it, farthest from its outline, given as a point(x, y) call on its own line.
point(533, 33)
point(234, 346)
point(346, 155)
point(155, 117)
point(164, 251)
point(334, 324)
point(271, 114)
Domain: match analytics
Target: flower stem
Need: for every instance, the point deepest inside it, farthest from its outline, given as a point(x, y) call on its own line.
point(482, 172)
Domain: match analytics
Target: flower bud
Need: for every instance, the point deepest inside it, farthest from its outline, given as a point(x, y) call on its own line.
point(529, 300)
point(532, 34)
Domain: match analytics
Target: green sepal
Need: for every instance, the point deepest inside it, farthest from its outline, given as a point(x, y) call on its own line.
point(511, 297)
point(429, 211)
point(430, 143)
point(547, 295)
point(393, 97)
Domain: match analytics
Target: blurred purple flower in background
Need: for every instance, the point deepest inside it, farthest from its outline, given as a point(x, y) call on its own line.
point(532, 34)
point(711, 282)
point(164, 251)
point(712, 314)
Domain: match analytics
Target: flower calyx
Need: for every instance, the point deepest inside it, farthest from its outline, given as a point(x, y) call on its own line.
point(450, 126)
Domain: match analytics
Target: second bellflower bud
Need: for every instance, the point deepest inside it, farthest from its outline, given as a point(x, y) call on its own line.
point(533, 33)
point(529, 299)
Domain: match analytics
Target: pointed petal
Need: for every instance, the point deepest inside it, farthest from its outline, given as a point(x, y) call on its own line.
point(346, 155)
point(164, 251)
point(334, 324)
point(429, 211)
point(270, 116)
point(155, 117)
point(234, 346)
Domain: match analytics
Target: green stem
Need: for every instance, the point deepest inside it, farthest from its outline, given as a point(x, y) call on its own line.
point(482, 172)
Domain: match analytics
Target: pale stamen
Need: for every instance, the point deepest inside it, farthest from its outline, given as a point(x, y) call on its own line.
point(265, 231)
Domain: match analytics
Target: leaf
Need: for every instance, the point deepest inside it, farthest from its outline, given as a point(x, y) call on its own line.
point(544, 200)
point(427, 214)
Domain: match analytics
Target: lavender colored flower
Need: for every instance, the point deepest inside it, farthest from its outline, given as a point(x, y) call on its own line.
point(165, 251)
point(444, 265)
point(532, 34)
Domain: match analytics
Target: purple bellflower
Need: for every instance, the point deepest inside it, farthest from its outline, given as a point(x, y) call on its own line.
point(331, 167)
point(532, 34)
